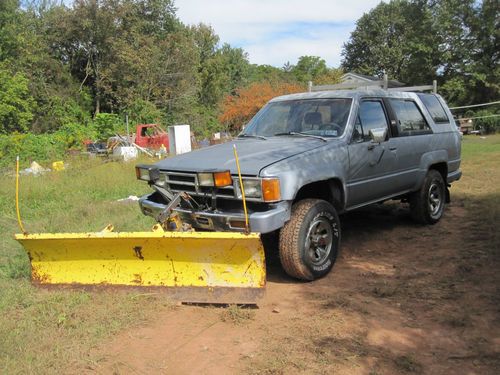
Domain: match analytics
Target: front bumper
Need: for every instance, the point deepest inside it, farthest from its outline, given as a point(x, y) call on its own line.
point(228, 220)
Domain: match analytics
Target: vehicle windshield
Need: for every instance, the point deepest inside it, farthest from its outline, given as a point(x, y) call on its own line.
point(319, 117)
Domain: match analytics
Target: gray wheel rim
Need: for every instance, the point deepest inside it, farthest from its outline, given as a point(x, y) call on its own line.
point(319, 241)
point(435, 199)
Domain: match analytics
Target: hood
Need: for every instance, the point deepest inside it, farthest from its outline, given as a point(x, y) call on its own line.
point(253, 154)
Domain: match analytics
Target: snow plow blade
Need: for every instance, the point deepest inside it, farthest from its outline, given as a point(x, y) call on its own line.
point(198, 267)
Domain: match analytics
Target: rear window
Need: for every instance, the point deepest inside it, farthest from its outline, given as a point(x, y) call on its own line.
point(410, 119)
point(434, 107)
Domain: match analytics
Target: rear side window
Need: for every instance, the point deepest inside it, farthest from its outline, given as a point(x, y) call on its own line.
point(410, 119)
point(435, 108)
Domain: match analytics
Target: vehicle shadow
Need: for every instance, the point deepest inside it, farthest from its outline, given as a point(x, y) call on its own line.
point(401, 290)
point(360, 226)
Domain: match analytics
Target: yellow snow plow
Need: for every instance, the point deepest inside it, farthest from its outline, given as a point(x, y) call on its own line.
point(188, 266)
point(212, 267)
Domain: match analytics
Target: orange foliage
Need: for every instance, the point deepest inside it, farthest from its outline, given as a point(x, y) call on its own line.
point(238, 109)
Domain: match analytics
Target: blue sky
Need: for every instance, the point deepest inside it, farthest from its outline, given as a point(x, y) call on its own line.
point(276, 31)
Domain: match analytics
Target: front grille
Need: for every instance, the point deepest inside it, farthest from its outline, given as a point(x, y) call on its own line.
point(188, 182)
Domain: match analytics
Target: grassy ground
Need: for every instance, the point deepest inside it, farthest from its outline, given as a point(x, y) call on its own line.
point(52, 331)
point(479, 187)
point(43, 331)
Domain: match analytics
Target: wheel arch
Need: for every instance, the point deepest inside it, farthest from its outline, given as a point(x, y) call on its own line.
point(442, 168)
point(331, 190)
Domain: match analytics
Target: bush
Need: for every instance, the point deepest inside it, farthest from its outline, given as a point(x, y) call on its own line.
point(107, 125)
point(73, 134)
point(489, 123)
point(43, 147)
point(30, 147)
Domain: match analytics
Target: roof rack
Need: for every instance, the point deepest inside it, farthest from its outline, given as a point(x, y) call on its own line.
point(382, 83)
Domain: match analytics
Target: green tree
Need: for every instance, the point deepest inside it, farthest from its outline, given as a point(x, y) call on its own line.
point(454, 21)
point(90, 30)
point(397, 38)
point(415, 41)
point(221, 69)
point(486, 52)
point(9, 30)
point(261, 73)
point(15, 102)
point(57, 95)
point(309, 68)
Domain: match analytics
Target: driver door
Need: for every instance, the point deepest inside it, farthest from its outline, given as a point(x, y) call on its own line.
point(371, 164)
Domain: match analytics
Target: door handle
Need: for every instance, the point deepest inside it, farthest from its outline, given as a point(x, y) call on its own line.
point(393, 148)
point(371, 147)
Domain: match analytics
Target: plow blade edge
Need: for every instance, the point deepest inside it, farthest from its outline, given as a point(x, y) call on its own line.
point(211, 267)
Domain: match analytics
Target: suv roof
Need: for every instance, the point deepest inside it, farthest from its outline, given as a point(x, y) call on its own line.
point(346, 94)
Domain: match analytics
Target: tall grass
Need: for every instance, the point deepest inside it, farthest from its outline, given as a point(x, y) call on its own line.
point(44, 331)
point(81, 198)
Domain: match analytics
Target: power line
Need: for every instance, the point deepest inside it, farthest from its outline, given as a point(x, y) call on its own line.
point(472, 118)
point(475, 105)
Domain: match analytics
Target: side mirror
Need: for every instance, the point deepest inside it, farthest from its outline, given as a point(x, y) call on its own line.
point(378, 135)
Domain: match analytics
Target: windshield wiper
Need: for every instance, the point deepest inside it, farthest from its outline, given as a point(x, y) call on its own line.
point(303, 135)
point(252, 136)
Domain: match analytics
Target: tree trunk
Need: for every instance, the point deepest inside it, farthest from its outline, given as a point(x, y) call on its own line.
point(97, 105)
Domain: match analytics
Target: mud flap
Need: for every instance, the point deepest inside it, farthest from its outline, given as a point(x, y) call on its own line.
point(207, 267)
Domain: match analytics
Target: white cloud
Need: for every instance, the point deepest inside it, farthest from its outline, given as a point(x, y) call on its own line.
point(276, 31)
point(276, 11)
point(278, 51)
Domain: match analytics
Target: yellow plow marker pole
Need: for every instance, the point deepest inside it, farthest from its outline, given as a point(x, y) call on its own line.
point(247, 227)
point(17, 198)
point(213, 267)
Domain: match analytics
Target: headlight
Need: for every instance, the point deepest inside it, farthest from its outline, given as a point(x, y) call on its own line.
point(268, 189)
point(252, 188)
point(218, 179)
point(147, 173)
point(206, 179)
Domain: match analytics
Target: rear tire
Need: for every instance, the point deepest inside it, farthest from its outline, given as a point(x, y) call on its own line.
point(309, 242)
point(427, 204)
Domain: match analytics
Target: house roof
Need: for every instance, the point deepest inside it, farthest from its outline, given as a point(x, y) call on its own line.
point(367, 78)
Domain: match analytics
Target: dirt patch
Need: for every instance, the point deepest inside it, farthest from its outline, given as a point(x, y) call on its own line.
point(402, 298)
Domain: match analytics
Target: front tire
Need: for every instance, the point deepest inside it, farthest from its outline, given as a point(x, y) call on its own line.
point(309, 242)
point(427, 204)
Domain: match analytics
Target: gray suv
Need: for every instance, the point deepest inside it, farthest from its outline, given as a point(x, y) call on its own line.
point(305, 159)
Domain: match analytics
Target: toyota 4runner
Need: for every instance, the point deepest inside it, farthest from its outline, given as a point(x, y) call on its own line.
point(305, 159)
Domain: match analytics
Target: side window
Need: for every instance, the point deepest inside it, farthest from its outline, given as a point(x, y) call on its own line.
point(410, 119)
point(371, 115)
point(147, 132)
point(435, 108)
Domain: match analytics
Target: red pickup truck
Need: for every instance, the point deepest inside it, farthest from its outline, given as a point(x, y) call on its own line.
point(151, 136)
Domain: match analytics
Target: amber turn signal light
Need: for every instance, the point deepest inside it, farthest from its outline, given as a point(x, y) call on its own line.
point(271, 190)
point(222, 179)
